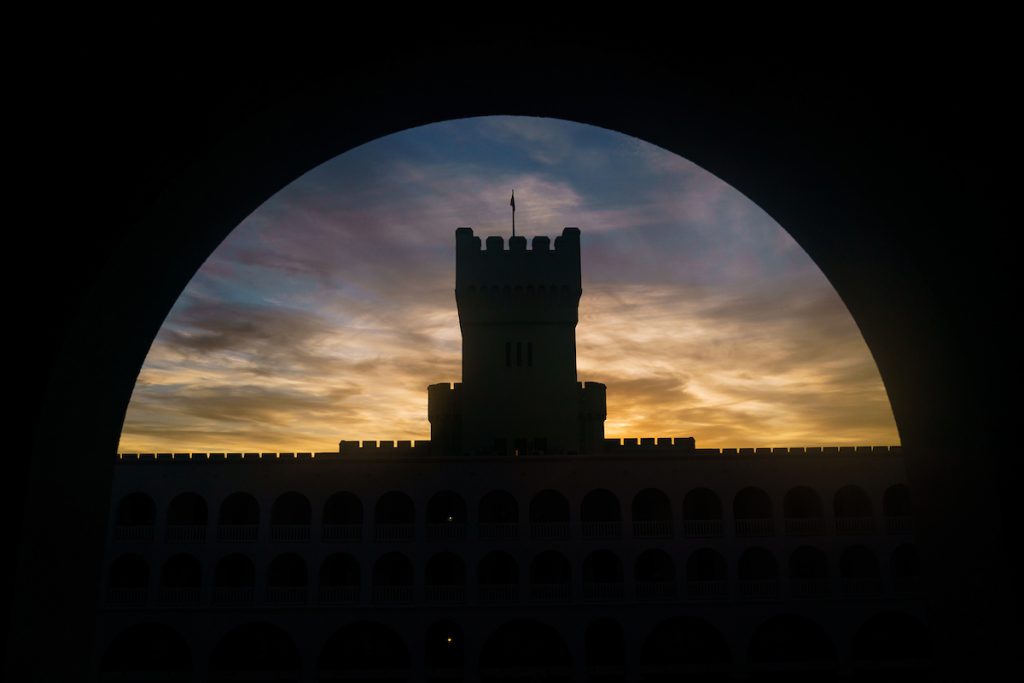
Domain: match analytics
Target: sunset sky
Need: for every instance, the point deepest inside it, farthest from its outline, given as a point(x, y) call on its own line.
point(328, 311)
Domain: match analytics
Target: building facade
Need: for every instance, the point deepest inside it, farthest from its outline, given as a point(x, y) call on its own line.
point(518, 544)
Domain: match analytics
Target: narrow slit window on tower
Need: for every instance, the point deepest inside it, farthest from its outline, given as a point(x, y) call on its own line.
point(529, 354)
point(519, 354)
point(508, 354)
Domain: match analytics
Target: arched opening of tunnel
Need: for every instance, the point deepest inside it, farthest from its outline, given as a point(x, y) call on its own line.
point(190, 247)
point(326, 312)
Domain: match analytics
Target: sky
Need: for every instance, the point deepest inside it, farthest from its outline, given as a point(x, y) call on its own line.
point(326, 313)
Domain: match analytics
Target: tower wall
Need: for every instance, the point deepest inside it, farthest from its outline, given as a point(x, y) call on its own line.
point(518, 310)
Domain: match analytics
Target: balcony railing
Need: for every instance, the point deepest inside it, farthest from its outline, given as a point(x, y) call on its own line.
point(498, 593)
point(502, 530)
point(339, 595)
point(550, 592)
point(755, 527)
point(702, 528)
point(178, 596)
point(654, 528)
point(186, 533)
point(899, 525)
point(655, 591)
point(861, 587)
point(233, 595)
point(445, 594)
point(286, 595)
point(549, 530)
point(601, 529)
point(852, 526)
point(394, 532)
point(707, 590)
point(757, 589)
point(125, 597)
point(289, 533)
point(343, 532)
point(238, 533)
point(602, 591)
point(446, 530)
point(392, 595)
point(810, 588)
point(133, 534)
point(805, 526)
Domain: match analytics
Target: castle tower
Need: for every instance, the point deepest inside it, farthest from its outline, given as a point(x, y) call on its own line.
point(518, 310)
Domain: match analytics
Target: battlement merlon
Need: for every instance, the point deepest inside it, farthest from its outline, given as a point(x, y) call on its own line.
point(517, 285)
point(443, 400)
point(593, 399)
point(517, 266)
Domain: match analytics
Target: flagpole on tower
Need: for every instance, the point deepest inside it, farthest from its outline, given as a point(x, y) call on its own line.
point(513, 203)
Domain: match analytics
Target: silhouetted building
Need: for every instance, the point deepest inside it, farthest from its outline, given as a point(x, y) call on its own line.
point(517, 544)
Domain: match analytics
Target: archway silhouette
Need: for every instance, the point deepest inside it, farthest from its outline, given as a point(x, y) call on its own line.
point(753, 138)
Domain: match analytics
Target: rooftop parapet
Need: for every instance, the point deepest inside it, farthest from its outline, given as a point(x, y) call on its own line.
point(495, 267)
point(667, 445)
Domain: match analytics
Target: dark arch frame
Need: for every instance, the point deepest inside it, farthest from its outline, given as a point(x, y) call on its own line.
point(886, 253)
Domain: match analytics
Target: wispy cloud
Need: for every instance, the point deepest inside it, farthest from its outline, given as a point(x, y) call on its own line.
point(328, 311)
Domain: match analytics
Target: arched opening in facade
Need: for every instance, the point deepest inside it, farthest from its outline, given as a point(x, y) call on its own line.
point(394, 517)
point(752, 513)
point(803, 512)
point(446, 515)
point(290, 518)
point(606, 651)
point(343, 517)
point(181, 578)
point(652, 514)
point(393, 579)
point(147, 652)
point(808, 572)
point(445, 578)
point(702, 514)
point(444, 651)
point(340, 579)
point(525, 650)
point(127, 580)
point(602, 576)
point(498, 578)
point(853, 511)
point(655, 574)
point(287, 579)
point(135, 518)
point(706, 577)
point(186, 519)
point(549, 515)
point(600, 515)
point(792, 648)
point(234, 580)
point(685, 648)
point(896, 506)
point(550, 577)
point(239, 519)
point(255, 652)
point(757, 574)
point(364, 651)
point(859, 571)
point(498, 515)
